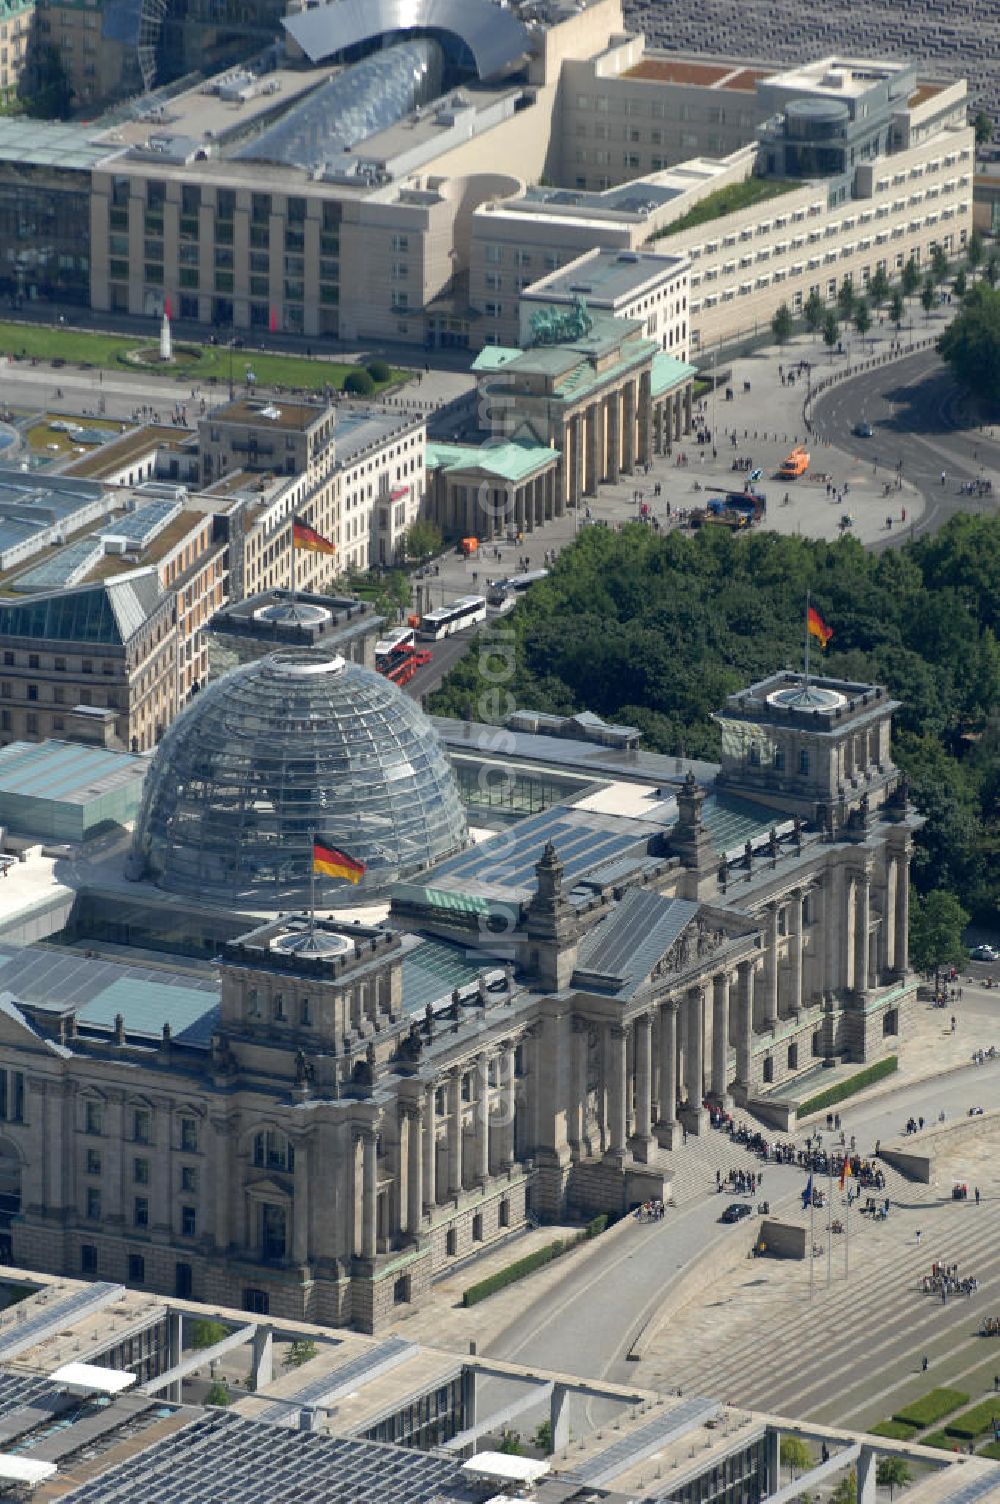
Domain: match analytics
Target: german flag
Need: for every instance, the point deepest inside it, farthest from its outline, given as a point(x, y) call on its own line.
point(330, 862)
point(304, 536)
point(818, 627)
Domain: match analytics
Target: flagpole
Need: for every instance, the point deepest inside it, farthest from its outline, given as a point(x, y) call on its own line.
point(312, 882)
point(847, 1236)
point(806, 685)
point(293, 559)
point(829, 1218)
point(812, 1245)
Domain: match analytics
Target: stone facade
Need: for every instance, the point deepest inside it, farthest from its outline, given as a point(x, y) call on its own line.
point(334, 1148)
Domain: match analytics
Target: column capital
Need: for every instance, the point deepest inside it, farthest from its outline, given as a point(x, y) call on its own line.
point(618, 1031)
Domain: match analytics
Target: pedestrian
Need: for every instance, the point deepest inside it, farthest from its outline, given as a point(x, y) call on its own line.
point(977, 1195)
point(918, 1237)
point(953, 1023)
point(996, 1383)
point(923, 1361)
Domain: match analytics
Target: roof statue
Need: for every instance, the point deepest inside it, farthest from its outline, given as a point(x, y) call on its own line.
point(556, 326)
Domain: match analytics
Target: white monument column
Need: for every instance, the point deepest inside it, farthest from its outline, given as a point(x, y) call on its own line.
point(744, 1038)
point(720, 1037)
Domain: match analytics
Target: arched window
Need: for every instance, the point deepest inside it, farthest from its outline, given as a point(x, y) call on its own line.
point(803, 761)
point(272, 1151)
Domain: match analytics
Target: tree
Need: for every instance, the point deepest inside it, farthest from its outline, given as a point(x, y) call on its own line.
point(302, 1350)
point(971, 344)
point(936, 925)
point(393, 595)
point(510, 1443)
point(845, 299)
point(974, 251)
point(939, 263)
point(542, 1438)
point(993, 268)
point(203, 1333)
point(831, 331)
point(796, 1455)
point(878, 287)
point(218, 1394)
point(928, 296)
point(380, 371)
point(862, 317)
point(892, 1473)
point(358, 383)
point(896, 309)
point(910, 279)
point(814, 312)
point(781, 324)
point(422, 539)
point(983, 127)
point(960, 285)
point(846, 1491)
point(45, 87)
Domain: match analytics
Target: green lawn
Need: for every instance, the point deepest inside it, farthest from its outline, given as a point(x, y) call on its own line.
point(896, 1430)
point(727, 201)
point(991, 1450)
point(974, 1422)
point(940, 1439)
point(931, 1407)
point(210, 362)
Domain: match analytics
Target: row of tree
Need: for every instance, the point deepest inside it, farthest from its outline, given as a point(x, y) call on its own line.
point(655, 631)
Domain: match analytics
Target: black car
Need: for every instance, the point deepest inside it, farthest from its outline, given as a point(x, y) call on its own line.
point(864, 429)
point(737, 1211)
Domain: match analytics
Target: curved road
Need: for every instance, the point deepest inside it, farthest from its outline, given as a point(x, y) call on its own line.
point(920, 417)
point(589, 1323)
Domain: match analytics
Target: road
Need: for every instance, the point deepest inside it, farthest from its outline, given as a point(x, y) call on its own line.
point(581, 1333)
point(920, 417)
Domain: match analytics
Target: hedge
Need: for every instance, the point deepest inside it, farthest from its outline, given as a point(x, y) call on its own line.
point(359, 383)
point(992, 1450)
point(974, 1422)
point(848, 1088)
point(532, 1261)
point(940, 1439)
point(379, 371)
point(896, 1430)
point(931, 1407)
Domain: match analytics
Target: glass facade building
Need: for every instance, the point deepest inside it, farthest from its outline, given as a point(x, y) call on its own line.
point(296, 745)
point(44, 235)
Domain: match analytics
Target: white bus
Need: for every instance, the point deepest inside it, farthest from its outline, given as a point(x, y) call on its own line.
point(394, 642)
point(514, 584)
point(461, 613)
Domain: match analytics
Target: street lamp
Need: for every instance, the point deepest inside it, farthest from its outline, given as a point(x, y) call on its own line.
point(714, 399)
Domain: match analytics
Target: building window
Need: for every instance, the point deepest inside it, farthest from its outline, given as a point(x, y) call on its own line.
point(93, 1203)
point(272, 1231)
point(477, 1228)
point(189, 1222)
point(12, 1096)
point(183, 1281)
point(272, 1151)
point(140, 1211)
point(136, 1269)
point(793, 1057)
point(503, 1213)
point(768, 1069)
point(257, 1301)
point(189, 1179)
point(189, 1135)
point(803, 761)
point(93, 1162)
point(142, 1125)
point(95, 1117)
point(451, 1242)
point(305, 1013)
point(140, 1171)
point(278, 1007)
point(88, 1258)
point(401, 1290)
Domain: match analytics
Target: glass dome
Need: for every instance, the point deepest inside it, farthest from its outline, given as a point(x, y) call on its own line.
point(295, 745)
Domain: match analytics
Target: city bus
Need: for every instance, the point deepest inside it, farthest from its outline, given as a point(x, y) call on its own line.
point(394, 642)
point(501, 590)
point(448, 619)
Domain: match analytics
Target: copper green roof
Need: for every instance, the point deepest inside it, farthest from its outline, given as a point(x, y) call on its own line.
point(669, 372)
point(493, 357)
point(511, 461)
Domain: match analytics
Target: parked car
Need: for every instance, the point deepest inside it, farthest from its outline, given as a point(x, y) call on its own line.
point(737, 1211)
point(985, 953)
point(864, 430)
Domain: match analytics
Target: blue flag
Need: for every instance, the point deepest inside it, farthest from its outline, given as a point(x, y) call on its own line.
point(807, 1194)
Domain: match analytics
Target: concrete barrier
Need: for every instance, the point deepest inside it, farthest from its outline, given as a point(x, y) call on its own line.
point(913, 1155)
point(782, 1240)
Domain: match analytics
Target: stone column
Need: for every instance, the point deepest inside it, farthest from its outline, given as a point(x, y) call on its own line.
point(643, 1084)
point(430, 1148)
point(454, 1133)
point(577, 430)
point(369, 1193)
point(578, 1093)
point(771, 982)
point(628, 425)
point(614, 435)
point(744, 1037)
point(688, 390)
point(862, 907)
point(223, 1183)
point(617, 1089)
point(509, 1104)
point(414, 1169)
point(300, 1203)
point(888, 960)
point(668, 1072)
point(593, 443)
point(645, 418)
point(796, 953)
point(720, 1039)
point(482, 1137)
point(901, 960)
point(695, 1062)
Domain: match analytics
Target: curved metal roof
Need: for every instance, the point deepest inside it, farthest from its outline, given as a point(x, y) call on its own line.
point(494, 36)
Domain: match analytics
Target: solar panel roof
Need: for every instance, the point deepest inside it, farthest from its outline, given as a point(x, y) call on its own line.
point(582, 841)
point(629, 941)
point(222, 1458)
point(630, 1449)
point(26, 1326)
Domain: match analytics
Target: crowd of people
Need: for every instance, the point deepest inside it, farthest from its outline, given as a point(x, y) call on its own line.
point(943, 1280)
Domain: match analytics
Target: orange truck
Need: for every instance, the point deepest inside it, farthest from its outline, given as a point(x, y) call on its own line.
point(795, 464)
point(468, 546)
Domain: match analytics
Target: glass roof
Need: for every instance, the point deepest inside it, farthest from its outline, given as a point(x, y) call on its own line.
point(296, 745)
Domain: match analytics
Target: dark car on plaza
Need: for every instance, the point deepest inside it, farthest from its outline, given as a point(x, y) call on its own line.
point(737, 1211)
point(864, 429)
